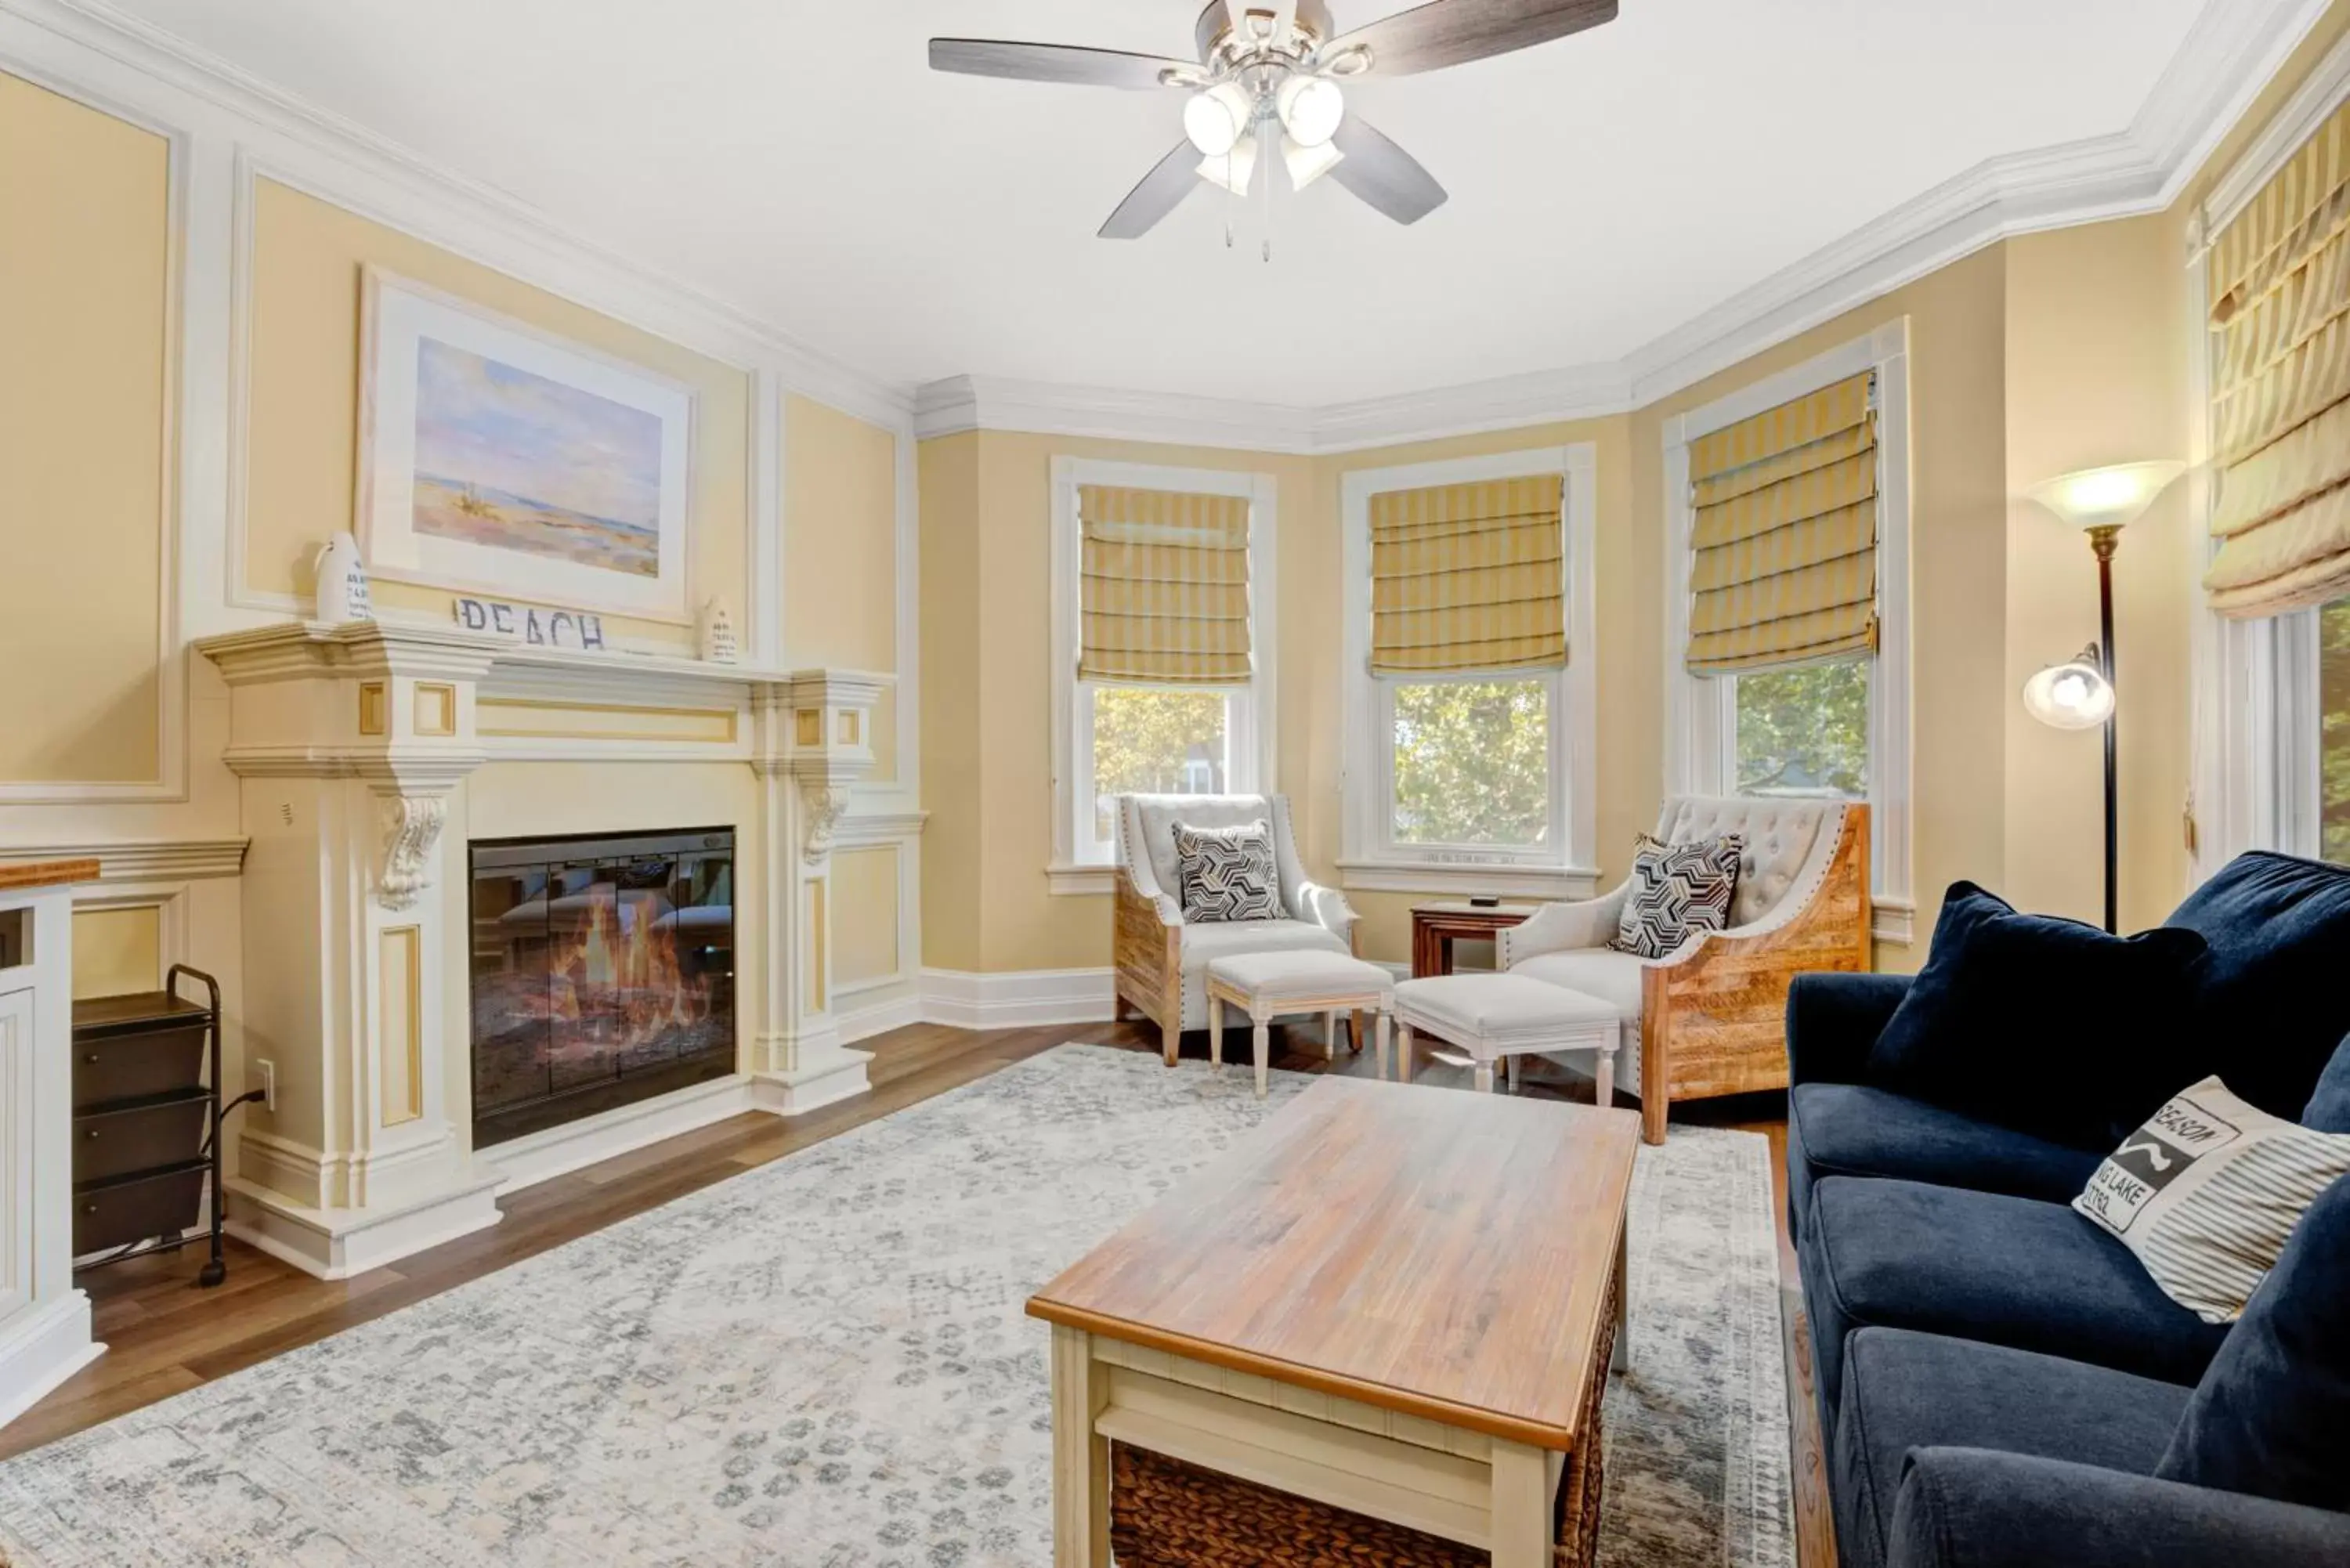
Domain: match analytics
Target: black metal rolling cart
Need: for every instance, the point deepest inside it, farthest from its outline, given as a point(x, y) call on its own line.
point(148, 1120)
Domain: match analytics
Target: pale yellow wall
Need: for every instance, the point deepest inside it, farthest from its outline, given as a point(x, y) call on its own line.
point(986, 584)
point(117, 951)
point(864, 915)
point(302, 449)
point(840, 551)
point(2094, 377)
point(85, 257)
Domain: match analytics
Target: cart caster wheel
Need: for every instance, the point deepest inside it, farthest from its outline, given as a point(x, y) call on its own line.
point(211, 1273)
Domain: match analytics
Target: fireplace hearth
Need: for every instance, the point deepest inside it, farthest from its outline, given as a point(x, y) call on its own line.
point(603, 973)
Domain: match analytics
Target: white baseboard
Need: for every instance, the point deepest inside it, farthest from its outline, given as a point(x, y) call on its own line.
point(336, 1243)
point(856, 1024)
point(1017, 999)
point(42, 1346)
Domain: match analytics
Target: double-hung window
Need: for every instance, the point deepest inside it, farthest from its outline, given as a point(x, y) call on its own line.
point(1469, 753)
point(2273, 654)
point(1162, 645)
point(1787, 596)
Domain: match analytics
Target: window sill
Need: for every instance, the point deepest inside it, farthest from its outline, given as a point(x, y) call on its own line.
point(1079, 881)
point(1551, 882)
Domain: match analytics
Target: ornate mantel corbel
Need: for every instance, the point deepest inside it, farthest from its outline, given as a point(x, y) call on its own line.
point(825, 805)
point(411, 833)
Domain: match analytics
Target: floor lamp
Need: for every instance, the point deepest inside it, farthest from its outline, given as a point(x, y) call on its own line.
point(2079, 694)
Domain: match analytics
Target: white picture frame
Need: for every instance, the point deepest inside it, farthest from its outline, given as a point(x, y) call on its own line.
point(497, 458)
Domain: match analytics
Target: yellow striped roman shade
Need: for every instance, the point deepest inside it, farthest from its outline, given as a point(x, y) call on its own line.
point(1784, 564)
point(2280, 290)
point(1468, 577)
point(1165, 587)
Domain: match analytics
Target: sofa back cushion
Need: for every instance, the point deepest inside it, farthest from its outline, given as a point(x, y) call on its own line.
point(2329, 1104)
point(1158, 815)
point(2270, 1415)
point(2270, 1003)
point(1778, 835)
point(2039, 1023)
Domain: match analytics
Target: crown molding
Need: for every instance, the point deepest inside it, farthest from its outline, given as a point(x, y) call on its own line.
point(2230, 53)
point(477, 219)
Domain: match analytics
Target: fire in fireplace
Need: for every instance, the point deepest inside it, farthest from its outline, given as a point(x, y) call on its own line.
point(603, 973)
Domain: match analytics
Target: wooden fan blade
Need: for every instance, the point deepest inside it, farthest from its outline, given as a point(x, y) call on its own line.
point(1451, 32)
point(1384, 174)
point(1162, 190)
point(1054, 63)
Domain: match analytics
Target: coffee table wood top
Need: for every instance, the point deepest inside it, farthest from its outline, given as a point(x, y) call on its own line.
point(1441, 1254)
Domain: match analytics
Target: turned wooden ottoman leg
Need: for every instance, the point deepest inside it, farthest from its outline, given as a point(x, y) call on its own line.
point(1215, 1031)
point(1485, 1075)
point(1604, 1078)
point(1403, 1054)
point(1260, 1039)
point(1381, 1058)
point(1330, 1036)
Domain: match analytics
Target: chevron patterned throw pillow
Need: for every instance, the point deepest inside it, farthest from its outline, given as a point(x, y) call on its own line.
point(1228, 873)
point(1678, 890)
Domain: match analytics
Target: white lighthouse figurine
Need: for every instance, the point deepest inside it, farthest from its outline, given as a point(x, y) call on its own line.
point(717, 633)
point(342, 581)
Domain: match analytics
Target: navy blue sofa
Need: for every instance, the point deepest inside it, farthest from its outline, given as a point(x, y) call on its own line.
point(1998, 1380)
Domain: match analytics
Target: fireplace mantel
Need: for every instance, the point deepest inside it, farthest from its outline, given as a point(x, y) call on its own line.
point(351, 743)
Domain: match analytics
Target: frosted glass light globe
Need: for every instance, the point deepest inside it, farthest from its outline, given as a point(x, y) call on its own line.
point(1310, 109)
point(1215, 120)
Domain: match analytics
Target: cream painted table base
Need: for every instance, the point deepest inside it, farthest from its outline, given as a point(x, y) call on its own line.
point(1502, 1017)
point(1483, 1491)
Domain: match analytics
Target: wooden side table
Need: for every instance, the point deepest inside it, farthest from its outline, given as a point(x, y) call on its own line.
point(1436, 927)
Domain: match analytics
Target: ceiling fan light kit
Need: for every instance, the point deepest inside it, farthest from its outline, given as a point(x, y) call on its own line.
point(1270, 69)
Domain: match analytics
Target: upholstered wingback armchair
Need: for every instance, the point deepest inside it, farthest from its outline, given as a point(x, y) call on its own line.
point(1162, 961)
point(1709, 1018)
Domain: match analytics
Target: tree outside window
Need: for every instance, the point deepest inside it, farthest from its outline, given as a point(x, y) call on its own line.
point(1473, 763)
point(2333, 731)
point(1155, 740)
point(1804, 732)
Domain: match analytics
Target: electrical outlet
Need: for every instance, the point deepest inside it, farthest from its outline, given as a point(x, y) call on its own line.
point(266, 1071)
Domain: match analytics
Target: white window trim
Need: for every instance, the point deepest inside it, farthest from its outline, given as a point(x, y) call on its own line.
point(1253, 730)
point(1700, 722)
point(2255, 725)
point(1368, 860)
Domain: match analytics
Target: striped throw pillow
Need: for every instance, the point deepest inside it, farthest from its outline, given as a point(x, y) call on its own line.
point(2206, 1192)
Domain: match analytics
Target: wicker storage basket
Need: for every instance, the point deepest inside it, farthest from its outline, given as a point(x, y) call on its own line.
point(1165, 1513)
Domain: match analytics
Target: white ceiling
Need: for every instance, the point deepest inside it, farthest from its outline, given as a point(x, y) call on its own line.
point(801, 162)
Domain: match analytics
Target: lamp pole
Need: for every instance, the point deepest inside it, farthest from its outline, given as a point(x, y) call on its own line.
point(2105, 539)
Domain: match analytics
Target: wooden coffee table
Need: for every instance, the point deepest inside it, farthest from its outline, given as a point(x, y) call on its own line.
point(1395, 1301)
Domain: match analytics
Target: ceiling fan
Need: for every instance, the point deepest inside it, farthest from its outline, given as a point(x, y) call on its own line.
point(1267, 82)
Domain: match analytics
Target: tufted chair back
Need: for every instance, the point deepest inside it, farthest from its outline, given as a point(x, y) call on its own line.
point(1149, 821)
point(1781, 835)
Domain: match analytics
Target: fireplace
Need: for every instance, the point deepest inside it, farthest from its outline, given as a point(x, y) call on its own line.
point(603, 973)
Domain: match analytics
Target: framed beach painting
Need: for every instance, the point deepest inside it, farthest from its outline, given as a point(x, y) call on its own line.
point(495, 458)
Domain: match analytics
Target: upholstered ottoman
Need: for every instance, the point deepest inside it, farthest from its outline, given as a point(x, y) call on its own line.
point(1267, 985)
point(1498, 1017)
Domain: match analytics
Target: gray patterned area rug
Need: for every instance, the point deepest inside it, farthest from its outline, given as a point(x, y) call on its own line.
point(823, 1362)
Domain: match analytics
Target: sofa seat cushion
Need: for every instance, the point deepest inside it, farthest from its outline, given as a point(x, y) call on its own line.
point(1303, 974)
point(1612, 977)
point(1851, 1129)
point(1904, 1390)
point(2269, 1005)
point(1203, 944)
point(1990, 1267)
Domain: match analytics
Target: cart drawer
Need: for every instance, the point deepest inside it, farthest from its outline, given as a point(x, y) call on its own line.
point(138, 1066)
point(160, 1203)
point(146, 1136)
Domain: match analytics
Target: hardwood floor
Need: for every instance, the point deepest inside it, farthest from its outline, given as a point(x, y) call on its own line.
point(164, 1336)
